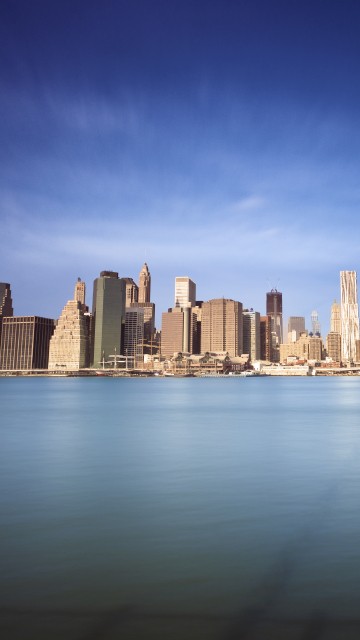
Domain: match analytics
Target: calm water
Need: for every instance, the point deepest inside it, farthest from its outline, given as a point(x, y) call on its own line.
point(180, 508)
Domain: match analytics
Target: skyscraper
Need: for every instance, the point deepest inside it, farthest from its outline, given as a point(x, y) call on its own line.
point(315, 324)
point(25, 342)
point(177, 331)
point(69, 345)
point(79, 294)
point(134, 334)
point(222, 327)
point(144, 284)
point(6, 308)
point(349, 315)
point(185, 292)
point(296, 325)
point(265, 338)
point(108, 316)
point(132, 292)
point(251, 334)
point(274, 310)
point(335, 318)
point(333, 346)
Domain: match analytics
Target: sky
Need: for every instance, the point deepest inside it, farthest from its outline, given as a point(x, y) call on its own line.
point(218, 140)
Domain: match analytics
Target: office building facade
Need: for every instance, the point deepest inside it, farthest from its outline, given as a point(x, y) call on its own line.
point(6, 307)
point(265, 339)
point(25, 342)
point(296, 326)
point(274, 309)
point(178, 328)
point(131, 292)
point(222, 327)
point(185, 292)
point(333, 346)
point(251, 334)
point(108, 315)
point(134, 335)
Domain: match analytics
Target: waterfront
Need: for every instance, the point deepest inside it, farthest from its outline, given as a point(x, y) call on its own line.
point(181, 508)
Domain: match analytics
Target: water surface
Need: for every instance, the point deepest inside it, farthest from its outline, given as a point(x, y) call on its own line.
point(182, 508)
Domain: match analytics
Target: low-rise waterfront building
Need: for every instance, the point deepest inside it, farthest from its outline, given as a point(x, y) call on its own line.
point(307, 347)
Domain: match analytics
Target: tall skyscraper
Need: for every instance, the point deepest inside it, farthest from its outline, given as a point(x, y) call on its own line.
point(149, 322)
point(349, 315)
point(108, 316)
point(69, 345)
point(25, 342)
point(315, 324)
point(144, 284)
point(222, 327)
point(6, 308)
point(296, 325)
point(132, 292)
point(265, 338)
point(251, 334)
point(274, 310)
point(79, 294)
point(185, 292)
point(335, 318)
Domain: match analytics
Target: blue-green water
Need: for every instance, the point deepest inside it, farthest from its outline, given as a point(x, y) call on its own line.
point(180, 508)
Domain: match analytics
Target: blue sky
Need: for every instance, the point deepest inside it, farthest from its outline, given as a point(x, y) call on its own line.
point(218, 140)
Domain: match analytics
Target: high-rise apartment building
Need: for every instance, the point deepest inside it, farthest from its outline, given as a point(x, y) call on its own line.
point(296, 325)
point(251, 334)
point(349, 315)
point(108, 316)
point(70, 345)
point(25, 342)
point(222, 327)
point(144, 284)
point(185, 292)
point(335, 318)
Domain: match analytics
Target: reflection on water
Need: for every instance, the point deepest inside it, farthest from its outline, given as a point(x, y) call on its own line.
point(180, 508)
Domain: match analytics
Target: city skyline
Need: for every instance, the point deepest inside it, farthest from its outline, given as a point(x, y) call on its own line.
point(80, 295)
point(218, 140)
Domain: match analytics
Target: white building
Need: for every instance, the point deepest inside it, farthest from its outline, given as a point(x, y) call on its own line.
point(185, 292)
point(251, 334)
point(349, 315)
